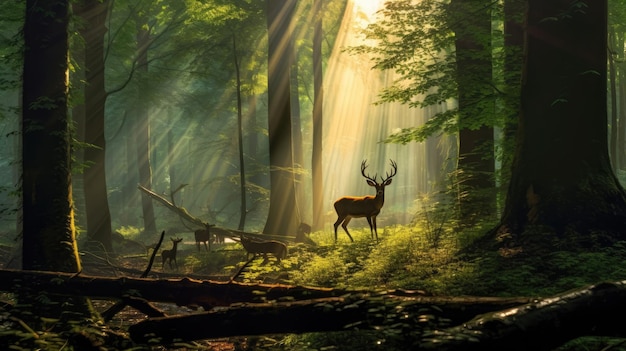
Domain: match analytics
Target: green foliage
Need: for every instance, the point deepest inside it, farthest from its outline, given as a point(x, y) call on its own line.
point(417, 41)
point(545, 275)
point(594, 343)
point(410, 257)
point(129, 232)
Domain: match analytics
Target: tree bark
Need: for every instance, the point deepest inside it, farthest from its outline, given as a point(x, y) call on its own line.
point(49, 234)
point(93, 14)
point(183, 292)
point(180, 211)
point(282, 216)
point(318, 125)
point(541, 325)
point(48, 217)
point(514, 11)
point(562, 177)
point(471, 22)
point(243, 206)
point(142, 132)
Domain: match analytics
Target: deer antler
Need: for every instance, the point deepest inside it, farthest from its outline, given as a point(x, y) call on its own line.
point(363, 167)
point(393, 171)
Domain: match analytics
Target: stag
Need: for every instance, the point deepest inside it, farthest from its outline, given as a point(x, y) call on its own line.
point(349, 207)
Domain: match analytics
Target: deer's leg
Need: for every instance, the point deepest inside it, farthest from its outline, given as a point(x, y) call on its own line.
point(369, 221)
point(339, 220)
point(344, 225)
point(375, 229)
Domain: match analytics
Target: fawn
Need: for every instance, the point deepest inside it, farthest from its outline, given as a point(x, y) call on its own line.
point(170, 254)
point(276, 248)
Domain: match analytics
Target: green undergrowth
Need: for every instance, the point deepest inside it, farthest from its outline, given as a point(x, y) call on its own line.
point(413, 257)
point(410, 257)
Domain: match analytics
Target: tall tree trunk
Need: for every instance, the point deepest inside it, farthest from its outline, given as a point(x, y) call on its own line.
point(142, 130)
point(471, 21)
point(513, 48)
point(93, 14)
point(318, 87)
point(49, 233)
point(130, 196)
point(562, 176)
point(49, 241)
point(620, 163)
point(613, 91)
point(171, 166)
point(243, 209)
point(253, 135)
point(78, 117)
point(296, 120)
point(282, 216)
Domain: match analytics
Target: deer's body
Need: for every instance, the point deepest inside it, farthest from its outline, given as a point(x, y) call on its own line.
point(170, 255)
point(219, 234)
point(368, 206)
point(255, 247)
point(203, 236)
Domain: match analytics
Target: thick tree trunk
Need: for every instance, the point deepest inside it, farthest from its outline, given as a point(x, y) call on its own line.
point(94, 14)
point(471, 22)
point(48, 219)
point(296, 138)
point(282, 218)
point(562, 176)
point(514, 11)
point(49, 234)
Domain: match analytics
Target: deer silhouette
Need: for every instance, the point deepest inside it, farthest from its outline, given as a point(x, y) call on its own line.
point(170, 255)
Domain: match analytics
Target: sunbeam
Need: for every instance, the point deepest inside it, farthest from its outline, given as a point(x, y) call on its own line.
point(355, 127)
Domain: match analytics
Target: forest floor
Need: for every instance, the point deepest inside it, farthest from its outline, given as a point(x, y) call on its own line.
point(131, 262)
point(415, 258)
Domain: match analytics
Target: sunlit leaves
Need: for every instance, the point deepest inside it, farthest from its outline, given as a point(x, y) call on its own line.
point(416, 40)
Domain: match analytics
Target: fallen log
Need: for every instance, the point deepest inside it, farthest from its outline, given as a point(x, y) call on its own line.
point(230, 233)
point(503, 323)
point(318, 315)
point(182, 291)
point(180, 211)
point(210, 294)
point(541, 325)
